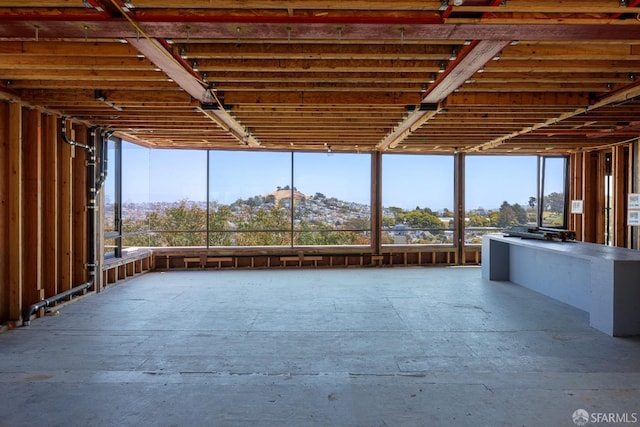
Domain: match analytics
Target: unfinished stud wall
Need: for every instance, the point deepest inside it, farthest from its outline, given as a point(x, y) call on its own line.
point(43, 212)
point(587, 175)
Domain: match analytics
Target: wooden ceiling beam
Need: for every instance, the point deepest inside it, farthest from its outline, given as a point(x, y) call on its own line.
point(161, 57)
point(253, 28)
point(409, 125)
point(469, 61)
point(318, 99)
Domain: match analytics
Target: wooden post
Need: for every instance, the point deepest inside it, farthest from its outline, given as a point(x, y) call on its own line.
point(4, 204)
point(65, 245)
point(32, 210)
point(575, 191)
point(600, 199)
point(590, 190)
point(619, 175)
point(51, 255)
point(79, 204)
point(16, 271)
point(634, 187)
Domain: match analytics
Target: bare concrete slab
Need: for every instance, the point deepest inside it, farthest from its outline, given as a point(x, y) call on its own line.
point(339, 347)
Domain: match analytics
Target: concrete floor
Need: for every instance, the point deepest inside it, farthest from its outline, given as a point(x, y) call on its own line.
point(343, 347)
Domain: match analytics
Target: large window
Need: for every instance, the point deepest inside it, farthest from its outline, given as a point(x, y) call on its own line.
point(417, 199)
point(177, 196)
point(331, 199)
point(111, 191)
point(249, 196)
point(500, 192)
point(135, 195)
point(553, 192)
point(168, 197)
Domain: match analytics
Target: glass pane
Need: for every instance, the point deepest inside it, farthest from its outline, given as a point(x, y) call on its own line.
point(110, 248)
point(553, 208)
point(332, 200)
point(249, 198)
point(500, 192)
point(417, 199)
point(177, 197)
point(110, 189)
point(135, 195)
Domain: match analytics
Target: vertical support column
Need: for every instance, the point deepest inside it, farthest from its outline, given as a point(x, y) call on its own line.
point(79, 203)
point(32, 173)
point(619, 175)
point(4, 211)
point(459, 209)
point(16, 270)
point(376, 202)
point(634, 187)
point(601, 172)
point(50, 149)
point(99, 230)
point(575, 191)
point(590, 190)
point(67, 153)
point(95, 208)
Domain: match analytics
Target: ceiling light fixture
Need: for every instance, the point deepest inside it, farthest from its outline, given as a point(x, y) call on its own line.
point(443, 66)
point(444, 4)
point(195, 66)
point(183, 52)
point(454, 54)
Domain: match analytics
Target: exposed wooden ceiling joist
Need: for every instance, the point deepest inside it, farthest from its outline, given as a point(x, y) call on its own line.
point(358, 75)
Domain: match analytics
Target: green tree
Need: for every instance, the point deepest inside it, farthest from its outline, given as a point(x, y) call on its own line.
point(181, 225)
point(476, 220)
point(554, 202)
point(219, 217)
point(494, 218)
point(419, 219)
point(388, 221)
point(264, 227)
point(521, 214)
point(139, 229)
point(507, 216)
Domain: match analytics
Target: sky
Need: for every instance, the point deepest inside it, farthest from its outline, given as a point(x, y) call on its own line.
point(408, 180)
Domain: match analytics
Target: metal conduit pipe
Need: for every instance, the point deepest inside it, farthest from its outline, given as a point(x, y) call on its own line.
point(26, 318)
point(92, 183)
point(63, 131)
point(92, 195)
point(104, 158)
